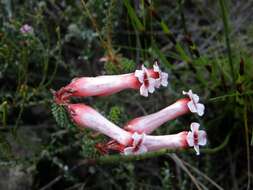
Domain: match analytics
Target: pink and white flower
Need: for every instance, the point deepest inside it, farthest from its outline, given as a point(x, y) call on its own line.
point(143, 80)
point(148, 143)
point(196, 137)
point(133, 143)
point(162, 76)
point(134, 138)
point(147, 124)
point(137, 145)
point(194, 105)
point(96, 86)
point(147, 82)
point(142, 143)
point(156, 143)
point(85, 116)
point(26, 29)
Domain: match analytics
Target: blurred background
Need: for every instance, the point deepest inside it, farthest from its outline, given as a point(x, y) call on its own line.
point(205, 46)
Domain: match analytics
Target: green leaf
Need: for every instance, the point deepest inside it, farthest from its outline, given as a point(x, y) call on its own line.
point(115, 114)
point(182, 53)
point(165, 28)
point(61, 117)
point(155, 51)
point(134, 18)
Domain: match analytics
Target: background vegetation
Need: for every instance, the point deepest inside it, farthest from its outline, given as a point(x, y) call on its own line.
point(203, 45)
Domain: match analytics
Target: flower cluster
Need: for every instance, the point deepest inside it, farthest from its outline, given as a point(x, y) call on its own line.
point(134, 138)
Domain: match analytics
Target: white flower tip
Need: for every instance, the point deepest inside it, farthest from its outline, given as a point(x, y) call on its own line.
point(156, 67)
point(164, 81)
point(201, 109)
point(137, 137)
point(143, 67)
point(147, 86)
point(132, 151)
point(137, 147)
point(194, 105)
point(139, 74)
point(103, 59)
point(202, 138)
point(163, 77)
point(196, 137)
point(143, 91)
point(187, 93)
point(196, 148)
point(151, 86)
point(194, 126)
point(148, 83)
point(128, 151)
point(189, 139)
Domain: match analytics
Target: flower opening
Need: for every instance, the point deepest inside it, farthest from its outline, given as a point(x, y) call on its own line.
point(163, 77)
point(147, 82)
point(194, 105)
point(137, 145)
point(196, 137)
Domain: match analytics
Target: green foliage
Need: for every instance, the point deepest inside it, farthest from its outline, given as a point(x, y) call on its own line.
point(88, 146)
point(87, 143)
point(5, 148)
point(111, 68)
point(137, 24)
point(61, 117)
point(125, 66)
point(115, 113)
point(128, 65)
point(69, 39)
point(166, 177)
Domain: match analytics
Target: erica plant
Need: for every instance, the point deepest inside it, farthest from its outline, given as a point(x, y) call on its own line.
point(134, 138)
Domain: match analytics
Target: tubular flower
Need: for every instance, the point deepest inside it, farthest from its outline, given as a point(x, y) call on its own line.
point(96, 86)
point(196, 137)
point(163, 77)
point(194, 105)
point(134, 139)
point(109, 84)
point(85, 116)
point(147, 143)
point(147, 124)
point(137, 147)
point(147, 82)
point(130, 143)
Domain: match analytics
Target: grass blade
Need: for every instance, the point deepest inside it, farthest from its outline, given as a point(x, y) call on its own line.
point(224, 13)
